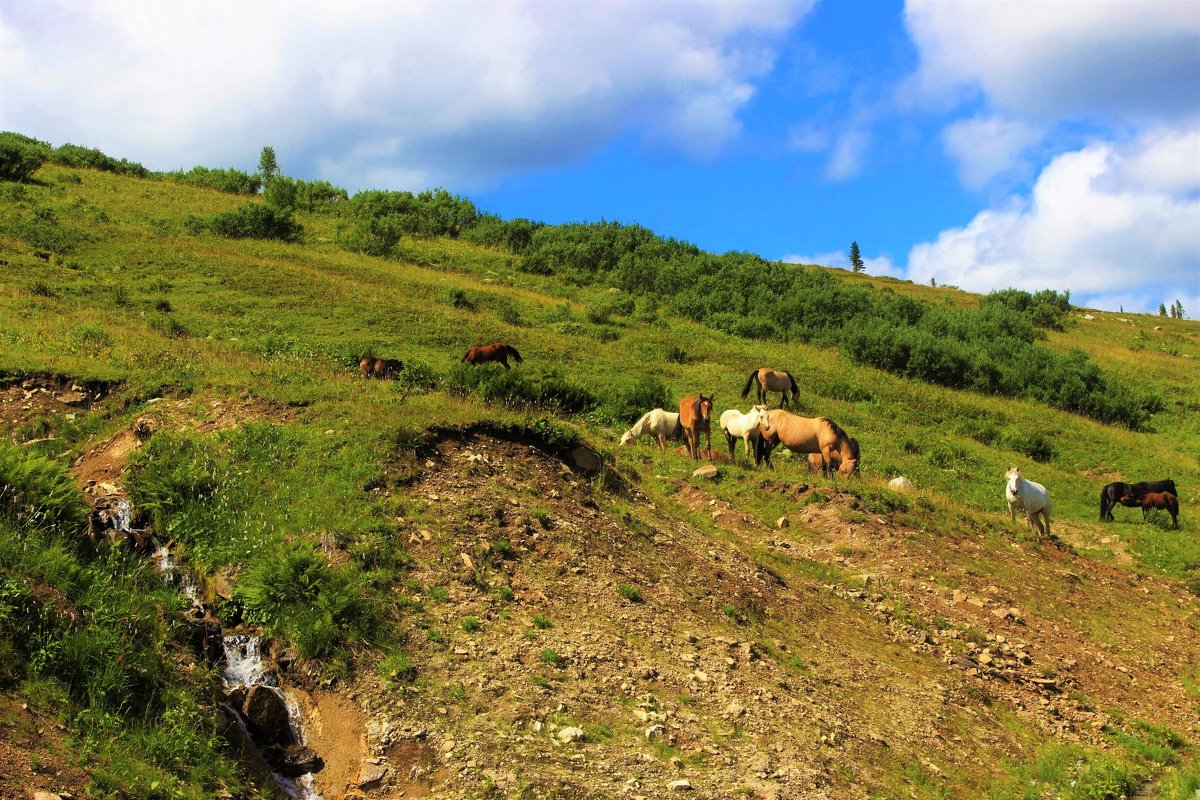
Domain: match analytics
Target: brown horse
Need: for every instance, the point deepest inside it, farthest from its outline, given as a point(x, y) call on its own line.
point(1149, 500)
point(815, 459)
point(482, 353)
point(810, 435)
point(773, 380)
point(694, 416)
point(371, 367)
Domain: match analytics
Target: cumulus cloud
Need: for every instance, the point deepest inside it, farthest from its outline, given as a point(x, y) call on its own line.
point(1051, 60)
point(426, 90)
point(1103, 221)
point(987, 146)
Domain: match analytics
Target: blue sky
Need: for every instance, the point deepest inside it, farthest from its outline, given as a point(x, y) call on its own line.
point(978, 143)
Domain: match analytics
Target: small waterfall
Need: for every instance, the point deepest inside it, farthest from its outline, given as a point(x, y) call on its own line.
point(244, 668)
point(171, 573)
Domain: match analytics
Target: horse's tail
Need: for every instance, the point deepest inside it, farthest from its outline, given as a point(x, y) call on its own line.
point(749, 382)
point(677, 433)
point(466, 356)
point(512, 351)
point(795, 386)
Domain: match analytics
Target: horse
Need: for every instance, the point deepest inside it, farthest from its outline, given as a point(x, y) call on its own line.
point(773, 380)
point(1030, 496)
point(1114, 493)
point(814, 459)
point(694, 417)
point(371, 367)
point(809, 435)
point(660, 424)
point(482, 353)
point(735, 424)
point(1149, 500)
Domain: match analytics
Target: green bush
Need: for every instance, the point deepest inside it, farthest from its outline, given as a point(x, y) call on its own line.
point(45, 232)
point(627, 402)
point(233, 181)
point(518, 389)
point(39, 492)
point(73, 155)
point(251, 221)
point(20, 156)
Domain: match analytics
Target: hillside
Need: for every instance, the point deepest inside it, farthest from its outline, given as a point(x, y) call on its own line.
point(465, 606)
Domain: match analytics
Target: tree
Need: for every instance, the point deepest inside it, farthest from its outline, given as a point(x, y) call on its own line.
point(1178, 309)
point(268, 167)
point(856, 262)
point(1162, 309)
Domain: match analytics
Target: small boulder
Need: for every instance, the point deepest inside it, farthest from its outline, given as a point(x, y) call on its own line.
point(901, 484)
point(681, 785)
point(294, 760)
point(782, 522)
point(708, 471)
point(266, 712)
point(568, 735)
point(371, 775)
point(586, 460)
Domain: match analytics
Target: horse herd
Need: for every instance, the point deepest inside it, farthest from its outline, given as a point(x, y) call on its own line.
point(828, 448)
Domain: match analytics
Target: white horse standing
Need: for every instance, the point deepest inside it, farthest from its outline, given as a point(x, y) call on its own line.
point(737, 425)
point(660, 424)
point(1030, 497)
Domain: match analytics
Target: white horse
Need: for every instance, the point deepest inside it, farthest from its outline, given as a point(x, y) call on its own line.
point(660, 424)
point(737, 425)
point(1030, 497)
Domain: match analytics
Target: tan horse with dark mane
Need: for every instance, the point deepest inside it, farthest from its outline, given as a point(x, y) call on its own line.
point(810, 435)
point(695, 418)
point(371, 367)
point(773, 380)
point(482, 353)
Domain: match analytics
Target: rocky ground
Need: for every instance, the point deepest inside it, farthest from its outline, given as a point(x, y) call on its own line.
point(572, 642)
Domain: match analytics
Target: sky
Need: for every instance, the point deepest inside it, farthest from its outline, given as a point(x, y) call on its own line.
point(983, 144)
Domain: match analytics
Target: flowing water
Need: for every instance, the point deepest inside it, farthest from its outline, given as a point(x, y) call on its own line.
point(244, 667)
point(175, 576)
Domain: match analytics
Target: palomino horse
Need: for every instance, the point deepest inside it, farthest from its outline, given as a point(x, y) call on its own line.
point(1029, 496)
point(810, 435)
point(371, 367)
point(772, 380)
point(1114, 493)
point(499, 351)
point(1149, 500)
point(694, 417)
point(815, 459)
point(660, 424)
point(737, 425)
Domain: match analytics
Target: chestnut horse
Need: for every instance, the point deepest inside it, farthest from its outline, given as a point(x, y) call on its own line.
point(810, 435)
point(1149, 500)
point(371, 367)
point(773, 380)
point(694, 416)
point(499, 351)
point(1119, 491)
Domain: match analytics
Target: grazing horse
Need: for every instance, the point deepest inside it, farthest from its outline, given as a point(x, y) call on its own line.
point(1149, 500)
point(814, 459)
point(371, 367)
point(694, 417)
point(499, 351)
point(1030, 496)
point(660, 424)
point(1115, 493)
point(737, 425)
point(819, 435)
point(772, 380)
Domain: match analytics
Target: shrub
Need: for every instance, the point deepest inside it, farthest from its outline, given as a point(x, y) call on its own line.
point(233, 181)
point(1030, 443)
point(470, 624)
point(542, 623)
point(254, 221)
point(549, 656)
point(37, 491)
point(73, 155)
point(630, 593)
point(20, 156)
point(628, 402)
point(44, 231)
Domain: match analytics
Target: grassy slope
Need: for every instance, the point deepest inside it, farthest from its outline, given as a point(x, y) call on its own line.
point(284, 323)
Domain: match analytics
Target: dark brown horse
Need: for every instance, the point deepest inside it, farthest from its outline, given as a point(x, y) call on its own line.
point(371, 367)
point(773, 380)
point(1114, 493)
point(694, 416)
point(1149, 500)
point(482, 353)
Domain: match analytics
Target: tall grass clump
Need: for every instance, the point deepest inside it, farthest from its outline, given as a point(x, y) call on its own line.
point(38, 492)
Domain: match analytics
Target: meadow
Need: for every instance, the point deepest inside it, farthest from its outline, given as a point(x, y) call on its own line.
point(127, 283)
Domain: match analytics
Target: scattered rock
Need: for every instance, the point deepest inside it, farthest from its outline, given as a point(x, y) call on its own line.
point(655, 731)
point(681, 785)
point(371, 775)
point(901, 484)
point(586, 460)
point(782, 523)
point(266, 711)
point(709, 471)
point(294, 760)
point(568, 735)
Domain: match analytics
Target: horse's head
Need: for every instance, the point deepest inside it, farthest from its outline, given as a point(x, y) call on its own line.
point(627, 438)
point(704, 407)
point(760, 417)
point(849, 467)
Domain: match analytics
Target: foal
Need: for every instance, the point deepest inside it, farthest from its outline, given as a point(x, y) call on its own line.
point(1150, 500)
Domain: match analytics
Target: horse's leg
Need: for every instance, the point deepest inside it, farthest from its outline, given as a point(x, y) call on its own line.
point(708, 435)
point(731, 440)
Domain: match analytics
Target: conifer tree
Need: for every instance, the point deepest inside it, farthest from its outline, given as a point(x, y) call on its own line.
point(268, 167)
point(856, 262)
point(1162, 309)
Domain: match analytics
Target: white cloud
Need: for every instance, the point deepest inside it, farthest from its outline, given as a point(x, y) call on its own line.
point(430, 89)
point(1051, 60)
point(1098, 222)
point(987, 146)
point(846, 157)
